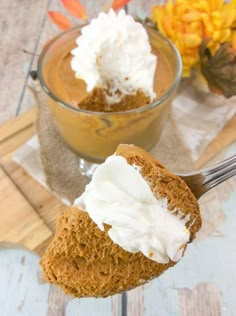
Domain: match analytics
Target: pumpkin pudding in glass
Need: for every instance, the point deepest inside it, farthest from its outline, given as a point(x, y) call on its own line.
point(109, 82)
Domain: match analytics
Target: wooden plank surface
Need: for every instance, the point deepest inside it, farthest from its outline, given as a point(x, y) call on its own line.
point(142, 9)
point(19, 220)
point(41, 204)
point(23, 291)
point(16, 125)
point(19, 223)
point(20, 26)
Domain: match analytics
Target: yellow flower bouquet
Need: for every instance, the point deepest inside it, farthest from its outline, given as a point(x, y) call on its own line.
point(204, 32)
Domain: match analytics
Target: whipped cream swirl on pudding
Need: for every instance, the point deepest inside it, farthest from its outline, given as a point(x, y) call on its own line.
point(114, 54)
point(119, 196)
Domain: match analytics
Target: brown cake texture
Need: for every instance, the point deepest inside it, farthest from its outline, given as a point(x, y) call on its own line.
point(85, 262)
point(96, 101)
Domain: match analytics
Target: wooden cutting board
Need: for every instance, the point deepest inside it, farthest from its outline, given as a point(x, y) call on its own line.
point(27, 211)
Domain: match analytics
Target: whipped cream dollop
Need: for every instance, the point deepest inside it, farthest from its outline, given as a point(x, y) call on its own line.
point(114, 54)
point(119, 196)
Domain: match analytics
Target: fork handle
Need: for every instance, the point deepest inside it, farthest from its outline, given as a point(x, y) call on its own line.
point(202, 181)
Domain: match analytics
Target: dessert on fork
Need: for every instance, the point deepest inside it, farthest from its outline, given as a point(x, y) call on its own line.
point(132, 223)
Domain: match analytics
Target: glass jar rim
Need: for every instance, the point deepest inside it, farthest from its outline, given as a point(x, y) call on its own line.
point(141, 109)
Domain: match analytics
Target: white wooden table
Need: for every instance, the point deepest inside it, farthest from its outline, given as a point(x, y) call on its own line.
point(202, 284)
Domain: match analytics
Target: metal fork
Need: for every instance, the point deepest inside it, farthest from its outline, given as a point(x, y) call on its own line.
point(202, 181)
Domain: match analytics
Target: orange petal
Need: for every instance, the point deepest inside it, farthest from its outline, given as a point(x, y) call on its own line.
point(192, 40)
point(186, 72)
point(215, 5)
point(158, 19)
point(229, 14)
point(179, 27)
point(233, 39)
point(118, 4)
point(167, 25)
point(169, 6)
point(195, 27)
point(180, 10)
point(60, 20)
point(191, 17)
point(202, 6)
point(217, 19)
point(221, 36)
point(75, 8)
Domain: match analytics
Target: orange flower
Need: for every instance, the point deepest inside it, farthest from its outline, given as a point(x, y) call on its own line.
point(187, 22)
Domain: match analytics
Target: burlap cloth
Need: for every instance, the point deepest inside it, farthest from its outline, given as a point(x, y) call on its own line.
point(199, 126)
point(60, 164)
